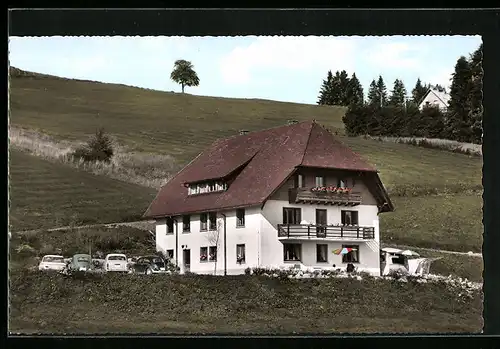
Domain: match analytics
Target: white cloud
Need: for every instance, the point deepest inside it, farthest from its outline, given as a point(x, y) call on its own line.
point(441, 77)
point(303, 53)
point(395, 55)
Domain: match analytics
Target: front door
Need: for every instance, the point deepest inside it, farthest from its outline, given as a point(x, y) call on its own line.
point(321, 223)
point(186, 257)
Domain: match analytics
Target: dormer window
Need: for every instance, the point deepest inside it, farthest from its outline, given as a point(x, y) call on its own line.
point(206, 187)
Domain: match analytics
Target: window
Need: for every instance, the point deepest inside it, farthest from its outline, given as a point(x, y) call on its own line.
point(170, 225)
point(203, 222)
point(320, 181)
point(351, 257)
point(291, 215)
point(322, 253)
point(212, 219)
point(240, 217)
point(203, 254)
point(349, 217)
point(299, 181)
point(204, 188)
point(240, 253)
point(170, 254)
point(291, 252)
point(186, 224)
point(212, 254)
point(342, 183)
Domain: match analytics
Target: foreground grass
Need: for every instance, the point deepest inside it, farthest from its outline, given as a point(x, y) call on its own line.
point(46, 195)
point(447, 222)
point(146, 120)
point(234, 304)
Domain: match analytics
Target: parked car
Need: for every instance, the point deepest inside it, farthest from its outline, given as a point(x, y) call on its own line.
point(80, 262)
point(52, 262)
point(149, 265)
point(116, 262)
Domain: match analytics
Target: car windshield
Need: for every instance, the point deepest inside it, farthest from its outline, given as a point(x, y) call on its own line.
point(156, 260)
point(117, 258)
point(53, 259)
point(83, 259)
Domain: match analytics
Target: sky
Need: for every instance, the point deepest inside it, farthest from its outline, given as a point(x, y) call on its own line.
point(285, 68)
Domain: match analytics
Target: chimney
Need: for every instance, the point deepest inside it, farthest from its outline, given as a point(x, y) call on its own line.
point(291, 122)
point(243, 132)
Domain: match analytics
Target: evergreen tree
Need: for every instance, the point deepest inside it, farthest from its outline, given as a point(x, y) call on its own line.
point(343, 84)
point(431, 122)
point(398, 96)
point(335, 88)
point(355, 91)
point(355, 120)
point(458, 121)
point(476, 95)
point(382, 90)
point(418, 92)
point(373, 95)
point(325, 91)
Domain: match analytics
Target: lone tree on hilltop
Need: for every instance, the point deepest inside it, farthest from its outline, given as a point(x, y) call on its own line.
point(184, 74)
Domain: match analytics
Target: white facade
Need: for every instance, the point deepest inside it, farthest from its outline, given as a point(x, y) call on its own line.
point(435, 98)
point(262, 246)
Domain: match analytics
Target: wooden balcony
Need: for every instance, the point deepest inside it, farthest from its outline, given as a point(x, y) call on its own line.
point(328, 232)
point(305, 195)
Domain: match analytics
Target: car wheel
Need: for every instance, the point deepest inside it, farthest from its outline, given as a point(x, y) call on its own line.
point(149, 271)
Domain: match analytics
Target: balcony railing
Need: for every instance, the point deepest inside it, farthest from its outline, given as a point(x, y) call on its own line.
point(305, 195)
point(303, 231)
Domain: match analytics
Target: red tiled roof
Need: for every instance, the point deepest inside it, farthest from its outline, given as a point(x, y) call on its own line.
point(270, 156)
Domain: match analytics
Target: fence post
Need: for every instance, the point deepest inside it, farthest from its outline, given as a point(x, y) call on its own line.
point(341, 231)
point(288, 230)
point(308, 231)
point(357, 234)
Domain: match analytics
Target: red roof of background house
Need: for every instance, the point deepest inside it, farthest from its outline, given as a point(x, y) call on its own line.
point(268, 158)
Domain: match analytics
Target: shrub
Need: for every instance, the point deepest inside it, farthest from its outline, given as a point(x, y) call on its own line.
point(98, 148)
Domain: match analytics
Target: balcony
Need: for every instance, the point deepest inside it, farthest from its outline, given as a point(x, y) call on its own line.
point(327, 232)
point(305, 195)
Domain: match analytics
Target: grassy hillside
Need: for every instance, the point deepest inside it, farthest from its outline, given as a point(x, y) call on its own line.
point(235, 304)
point(449, 222)
point(146, 120)
point(180, 126)
point(45, 195)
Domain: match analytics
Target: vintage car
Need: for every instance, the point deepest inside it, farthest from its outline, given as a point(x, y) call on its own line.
point(116, 262)
point(148, 265)
point(52, 262)
point(80, 262)
point(405, 261)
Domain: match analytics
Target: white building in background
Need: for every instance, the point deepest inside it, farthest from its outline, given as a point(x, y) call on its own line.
point(281, 197)
point(434, 97)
